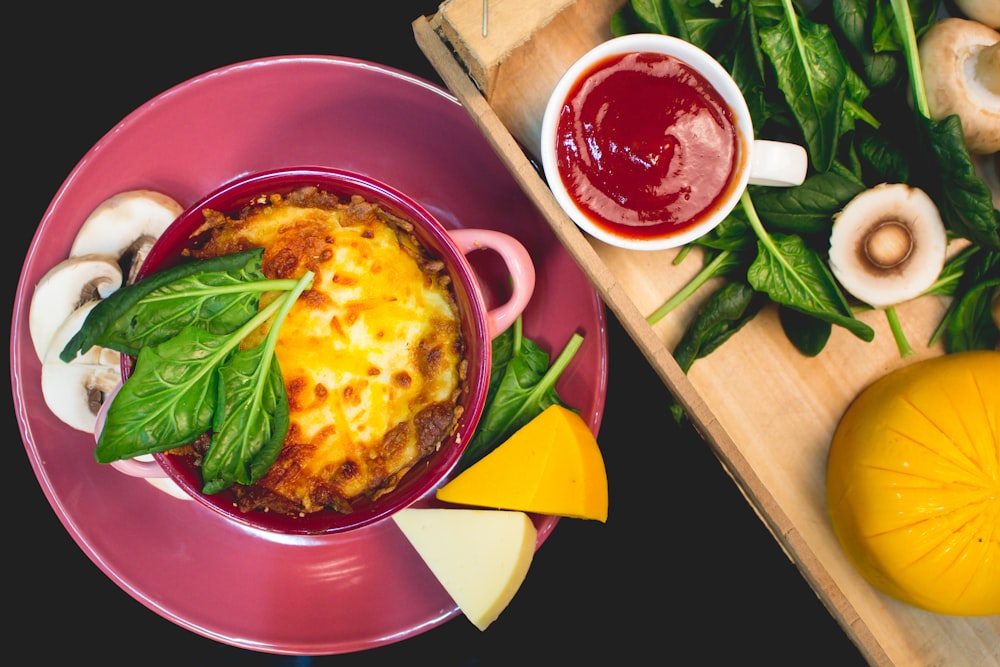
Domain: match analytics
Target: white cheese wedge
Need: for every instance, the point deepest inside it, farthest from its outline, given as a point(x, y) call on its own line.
point(481, 557)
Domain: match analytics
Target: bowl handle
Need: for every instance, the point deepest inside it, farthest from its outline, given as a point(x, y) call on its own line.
point(518, 262)
point(141, 466)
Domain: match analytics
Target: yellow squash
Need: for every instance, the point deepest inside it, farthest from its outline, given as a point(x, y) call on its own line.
point(913, 483)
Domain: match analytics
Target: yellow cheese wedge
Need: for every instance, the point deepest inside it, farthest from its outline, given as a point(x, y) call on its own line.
point(552, 465)
point(481, 557)
point(913, 483)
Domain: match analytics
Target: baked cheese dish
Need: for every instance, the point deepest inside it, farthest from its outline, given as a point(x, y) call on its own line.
point(372, 354)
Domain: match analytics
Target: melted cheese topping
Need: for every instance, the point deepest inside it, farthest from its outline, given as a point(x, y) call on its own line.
point(371, 354)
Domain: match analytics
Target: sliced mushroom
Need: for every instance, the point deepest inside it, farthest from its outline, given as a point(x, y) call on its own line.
point(888, 244)
point(960, 63)
point(64, 288)
point(126, 225)
point(75, 391)
point(986, 12)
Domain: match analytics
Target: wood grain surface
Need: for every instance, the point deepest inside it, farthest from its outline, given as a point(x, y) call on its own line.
point(767, 411)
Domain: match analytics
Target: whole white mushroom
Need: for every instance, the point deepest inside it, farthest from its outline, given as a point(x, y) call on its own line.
point(960, 64)
point(986, 12)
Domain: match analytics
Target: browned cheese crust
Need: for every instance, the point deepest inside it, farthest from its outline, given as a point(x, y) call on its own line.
point(372, 354)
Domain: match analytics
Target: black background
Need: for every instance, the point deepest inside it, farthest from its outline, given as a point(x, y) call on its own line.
point(682, 572)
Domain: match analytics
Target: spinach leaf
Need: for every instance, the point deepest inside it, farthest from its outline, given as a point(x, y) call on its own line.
point(522, 385)
point(807, 208)
point(724, 313)
point(881, 67)
point(963, 198)
point(970, 277)
point(250, 422)
point(808, 334)
point(504, 347)
point(882, 159)
point(812, 75)
point(517, 362)
point(732, 234)
point(954, 271)
point(251, 415)
point(172, 396)
point(168, 401)
point(970, 325)
point(663, 16)
point(220, 294)
point(794, 275)
point(727, 310)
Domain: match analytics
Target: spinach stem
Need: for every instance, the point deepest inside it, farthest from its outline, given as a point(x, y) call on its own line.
point(860, 112)
point(233, 340)
point(904, 23)
point(793, 25)
point(548, 380)
point(235, 288)
point(287, 301)
point(759, 231)
point(703, 276)
point(267, 311)
point(905, 350)
point(561, 362)
point(684, 252)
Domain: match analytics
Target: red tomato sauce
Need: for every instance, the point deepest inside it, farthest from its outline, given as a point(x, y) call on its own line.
point(646, 146)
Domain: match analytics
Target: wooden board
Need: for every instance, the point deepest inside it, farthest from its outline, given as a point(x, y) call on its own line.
point(767, 411)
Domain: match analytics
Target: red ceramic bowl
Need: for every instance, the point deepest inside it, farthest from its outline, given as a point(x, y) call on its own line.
point(479, 323)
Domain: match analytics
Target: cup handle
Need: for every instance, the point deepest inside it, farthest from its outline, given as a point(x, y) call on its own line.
point(518, 263)
point(778, 163)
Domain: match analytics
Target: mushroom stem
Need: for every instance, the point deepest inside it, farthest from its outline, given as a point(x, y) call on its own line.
point(987, 67)
point(960, 63)
point(898, 335)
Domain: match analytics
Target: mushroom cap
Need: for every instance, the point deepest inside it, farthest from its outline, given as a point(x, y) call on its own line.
point(74, 391)
point(888, 244)
point(949, 51)
point(64, 288)
point(124, 219)
point(986, 12)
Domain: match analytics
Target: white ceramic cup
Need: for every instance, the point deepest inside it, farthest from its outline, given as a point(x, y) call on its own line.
point(757, 161)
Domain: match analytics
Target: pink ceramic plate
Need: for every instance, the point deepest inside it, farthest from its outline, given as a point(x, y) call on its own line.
point(291, 595)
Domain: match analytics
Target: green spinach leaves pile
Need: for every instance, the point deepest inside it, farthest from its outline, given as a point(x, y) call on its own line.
point(837, 77)
point(185, 326)
point(522, 385)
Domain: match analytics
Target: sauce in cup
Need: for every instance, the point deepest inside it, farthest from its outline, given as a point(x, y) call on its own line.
point(646, 146)
point(647, 143)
